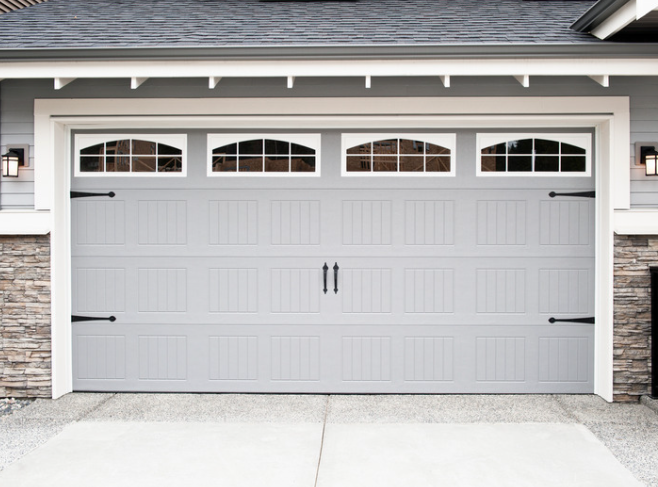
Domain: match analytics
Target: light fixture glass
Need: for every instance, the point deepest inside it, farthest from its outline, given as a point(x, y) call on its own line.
point(10, 162)
point(650, 159)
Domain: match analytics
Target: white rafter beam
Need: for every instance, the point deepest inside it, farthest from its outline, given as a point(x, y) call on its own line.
point(603, 80)
point(212, 81)
point(291, 82)
point(136, 82)
point(62, 82)
point(445, 80)
point(524, 79)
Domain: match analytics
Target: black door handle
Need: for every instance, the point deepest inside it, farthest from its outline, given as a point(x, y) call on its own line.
point(325, 268)
point(336, 277)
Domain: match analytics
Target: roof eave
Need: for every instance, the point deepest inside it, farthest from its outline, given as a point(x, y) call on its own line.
point(593, 49)
point(598, 13)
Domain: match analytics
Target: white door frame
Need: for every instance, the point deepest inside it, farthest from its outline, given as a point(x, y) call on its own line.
point(56, 118)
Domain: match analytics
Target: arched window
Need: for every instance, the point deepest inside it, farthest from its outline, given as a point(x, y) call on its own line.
point(122, 155)
point(540, 154)
point(403, 154)
point(264, 155)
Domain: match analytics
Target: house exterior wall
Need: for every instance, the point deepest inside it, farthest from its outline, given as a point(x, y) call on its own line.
point(25, 350)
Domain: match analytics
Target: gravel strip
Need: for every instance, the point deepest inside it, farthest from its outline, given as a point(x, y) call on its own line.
point(9, 405)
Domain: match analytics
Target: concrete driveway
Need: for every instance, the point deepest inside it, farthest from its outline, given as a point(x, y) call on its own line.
point(328, 441)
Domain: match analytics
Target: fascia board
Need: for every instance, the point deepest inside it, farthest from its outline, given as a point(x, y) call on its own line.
point(329, 68)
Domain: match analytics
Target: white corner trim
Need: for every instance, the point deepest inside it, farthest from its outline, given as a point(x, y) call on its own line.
point(524, 80)
point(636, 222)
point(24, 222)
point(136, 82)
point(603, 80)
point(62, 82)
point(213, 81)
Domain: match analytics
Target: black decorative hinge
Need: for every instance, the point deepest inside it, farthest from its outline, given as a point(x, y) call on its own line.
point(76, 318)
point(80, 194)
point(589, 320)
point(582, 194)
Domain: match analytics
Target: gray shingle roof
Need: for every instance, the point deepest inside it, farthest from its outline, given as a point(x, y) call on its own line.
point(61, 24)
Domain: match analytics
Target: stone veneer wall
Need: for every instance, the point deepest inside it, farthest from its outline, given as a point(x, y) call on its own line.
point(25, 350)
point(632, 296)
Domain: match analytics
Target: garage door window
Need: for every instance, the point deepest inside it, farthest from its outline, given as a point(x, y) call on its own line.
point(126, 155)
point(264, 155)
point(534, 154)
point(398, 154)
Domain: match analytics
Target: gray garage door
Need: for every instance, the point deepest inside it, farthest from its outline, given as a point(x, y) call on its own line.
point(442, 285)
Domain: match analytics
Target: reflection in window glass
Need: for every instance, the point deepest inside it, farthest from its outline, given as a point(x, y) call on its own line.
point(131, 155)
point(533, 155)
point(263, 155)
point(398, 155)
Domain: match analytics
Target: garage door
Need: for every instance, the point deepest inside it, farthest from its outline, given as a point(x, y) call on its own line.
point(396, 264)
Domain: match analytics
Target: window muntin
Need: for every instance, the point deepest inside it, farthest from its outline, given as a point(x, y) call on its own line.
point(398, 154)
point(101, 155)
point(264, 154)
point(534, 155)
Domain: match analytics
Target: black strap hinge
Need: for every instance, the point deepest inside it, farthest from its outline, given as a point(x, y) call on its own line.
point(581, 194)
point(81, 194)
point(589, 320)
point(76, 318)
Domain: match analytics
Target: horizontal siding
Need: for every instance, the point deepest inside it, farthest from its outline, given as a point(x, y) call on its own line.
point(17, 103)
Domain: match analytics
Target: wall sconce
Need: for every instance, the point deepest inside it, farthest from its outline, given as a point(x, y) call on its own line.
point(16, 156)
point(10, 162)
point(650, 157)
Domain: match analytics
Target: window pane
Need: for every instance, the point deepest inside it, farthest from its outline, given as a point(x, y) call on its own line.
point(302, 164)
point(493, 164)
point(519, 163)
point(547, 164)
point(143, 164)
point(385, 163)
point(296, 149)
point(94, 150)
point(360, 149)
point(277, 147)
point(523, 146)
point(543, 146)
point(412, 147)
point(358, 163)
point(167, 150)
point(499, 149)
point(276, 164)
point(224, 163)
point(117, 147)
point(143, 147)
point(170, 164)
point(251, 164)
point(117, 164)
point(231, 149)
point(438, 164)
point(254, 147)
point(412, 163)
point(385, 147)
point(436, 149)
point(571, 149)
point(573, 164)
point(91, 164)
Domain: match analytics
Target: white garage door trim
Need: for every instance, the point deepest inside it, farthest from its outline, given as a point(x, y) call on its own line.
point(54, 120)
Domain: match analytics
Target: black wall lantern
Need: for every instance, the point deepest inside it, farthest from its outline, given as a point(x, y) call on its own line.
point(650, 157)
point(12, 160)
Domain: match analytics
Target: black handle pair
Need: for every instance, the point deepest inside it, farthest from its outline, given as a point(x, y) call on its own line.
point(325, 268)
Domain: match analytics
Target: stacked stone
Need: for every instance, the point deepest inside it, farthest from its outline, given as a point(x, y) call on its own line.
point(25, 339)
point(632, 315)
